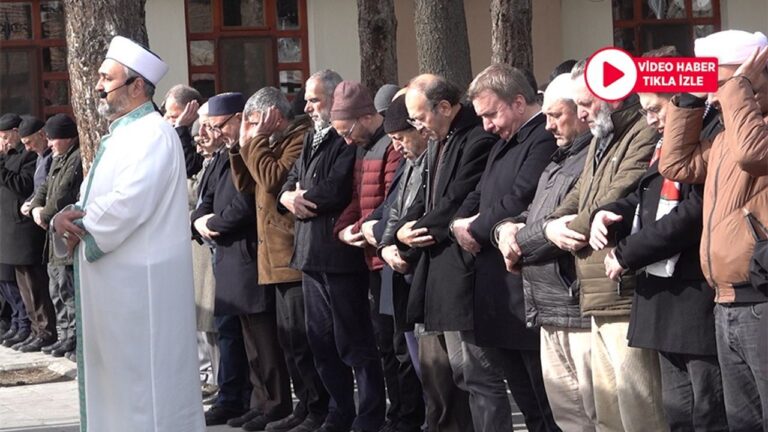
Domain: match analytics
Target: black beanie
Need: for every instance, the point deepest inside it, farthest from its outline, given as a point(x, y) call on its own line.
point(60, 126)
point(29, 125)
point(9, 121)
point(396, 119)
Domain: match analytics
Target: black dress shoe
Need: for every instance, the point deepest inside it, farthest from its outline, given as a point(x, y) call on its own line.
point(71, 356)
point(219, 415)
point(243, 419)
point(20, 344)
point(19, 336)
point(11, 332)
point(258, 424)
point(285, 424)
point(48, 349)
point(36, 344)
point(66, 346)
point(327, 427)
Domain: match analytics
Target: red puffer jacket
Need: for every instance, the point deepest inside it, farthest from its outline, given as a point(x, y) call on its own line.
point(374, 170)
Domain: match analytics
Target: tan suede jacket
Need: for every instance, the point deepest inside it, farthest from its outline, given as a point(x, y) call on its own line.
point(734, 169)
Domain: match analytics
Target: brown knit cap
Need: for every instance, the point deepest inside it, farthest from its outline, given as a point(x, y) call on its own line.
point(351, 100)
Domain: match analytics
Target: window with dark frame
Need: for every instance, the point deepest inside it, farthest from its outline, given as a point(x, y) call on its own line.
point(643, 25)
point(244, 45)
point(33, 58)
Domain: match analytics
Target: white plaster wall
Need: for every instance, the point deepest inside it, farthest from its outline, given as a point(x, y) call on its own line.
point(167, 33)
point(750, 15)
point(333, 39)
point(587, 25)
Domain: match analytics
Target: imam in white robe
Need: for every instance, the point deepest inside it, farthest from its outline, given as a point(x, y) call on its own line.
point(137, 353)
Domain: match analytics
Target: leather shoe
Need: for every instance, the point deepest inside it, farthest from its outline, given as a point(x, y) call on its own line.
point(285, 424)
point(219, 415)
point(11, 332)
point(36, 344)
point(243, 419)
point(19, 336)
point(48, 349)
point(29, 339)
point(327, 427)
point(258, 424)
point(71, 356)
point(66, 346)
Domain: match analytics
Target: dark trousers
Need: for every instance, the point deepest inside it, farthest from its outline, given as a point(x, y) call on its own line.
point(62, 291)
point(341, 336)
point(292, 334)
point(487, 369)
point(271, 393)
point(234, 385)
point(442, 373)
point(12, 296)
point(406, 400)
point(693, 392)
point(743, 364)
point(33, 286)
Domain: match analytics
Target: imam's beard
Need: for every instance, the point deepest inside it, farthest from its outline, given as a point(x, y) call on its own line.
point(603, 125)
point(108, 109)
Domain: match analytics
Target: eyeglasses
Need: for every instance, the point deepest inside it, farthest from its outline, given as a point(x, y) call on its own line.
point(217, 128)
point(348, 133)
point(652, 110)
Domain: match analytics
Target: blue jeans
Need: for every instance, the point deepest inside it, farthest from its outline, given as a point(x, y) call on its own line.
point(233, 379)
point(19, 318)
point(341, 336)
point(743, 359)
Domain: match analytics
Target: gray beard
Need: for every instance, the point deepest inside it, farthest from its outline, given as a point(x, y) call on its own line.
point(603, 125)
point(110, 110)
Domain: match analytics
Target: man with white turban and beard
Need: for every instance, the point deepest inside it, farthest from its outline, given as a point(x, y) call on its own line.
point(129, 236)
point(626, 380)
point(733, 165)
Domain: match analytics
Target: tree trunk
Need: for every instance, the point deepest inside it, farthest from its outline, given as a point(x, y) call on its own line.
point(90, 27)
point(377, 27)
point(441, 40)
point(511, 33)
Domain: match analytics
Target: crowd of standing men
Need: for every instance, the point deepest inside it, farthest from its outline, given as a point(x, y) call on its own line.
point(442, 250)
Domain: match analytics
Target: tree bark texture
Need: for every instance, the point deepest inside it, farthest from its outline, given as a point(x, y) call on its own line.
point(442, 43)
point(91, 25)
point(377, 28)
point(511, 33)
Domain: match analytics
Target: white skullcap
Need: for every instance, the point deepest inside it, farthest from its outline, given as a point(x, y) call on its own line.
point(559, 88)
point(203, 110)
point(730, 47)
point(138, 58)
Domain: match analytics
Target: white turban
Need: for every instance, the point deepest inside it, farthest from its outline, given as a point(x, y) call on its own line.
point(730, 47)
point(138, 58)
point(561, 87)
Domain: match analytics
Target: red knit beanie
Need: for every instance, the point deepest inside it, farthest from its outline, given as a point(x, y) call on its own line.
point(351, 100)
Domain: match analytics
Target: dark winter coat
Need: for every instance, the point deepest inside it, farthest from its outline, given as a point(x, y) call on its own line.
point(326, 175)
point(506, 189)
point(668, 314)
point(441, 295)
point(549, 273)
point(234, 264)
point(21, 240)
point(60, 189)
